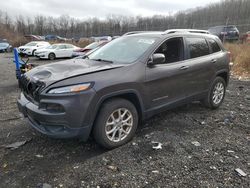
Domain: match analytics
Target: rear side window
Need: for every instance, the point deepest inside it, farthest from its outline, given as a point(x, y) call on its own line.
point(214, 46)
point(197, 47)
point(61, 47)
point(69, 46)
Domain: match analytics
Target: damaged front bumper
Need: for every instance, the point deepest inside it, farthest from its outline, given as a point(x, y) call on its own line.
point(57, 122)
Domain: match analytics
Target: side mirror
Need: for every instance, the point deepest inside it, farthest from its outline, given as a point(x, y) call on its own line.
point(156, 58)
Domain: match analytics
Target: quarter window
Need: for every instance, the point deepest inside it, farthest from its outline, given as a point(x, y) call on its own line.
point(214, 46)
point(197, 47)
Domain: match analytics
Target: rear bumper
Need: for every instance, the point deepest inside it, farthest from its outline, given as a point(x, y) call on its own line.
point(55, 124)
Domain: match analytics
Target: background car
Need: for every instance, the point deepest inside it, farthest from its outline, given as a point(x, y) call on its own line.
point(5, 47)
point(31, 47)
point(92, 46)
point(34, 37)
point(228, 33)
point(55, 38)
point(56, 51)
point(245, 38)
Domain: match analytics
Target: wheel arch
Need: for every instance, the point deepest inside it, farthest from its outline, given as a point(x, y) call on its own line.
point(52, 53)
point(223, 74)
point(131, 95)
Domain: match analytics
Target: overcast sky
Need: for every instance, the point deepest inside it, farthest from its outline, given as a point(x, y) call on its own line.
point(97, 8)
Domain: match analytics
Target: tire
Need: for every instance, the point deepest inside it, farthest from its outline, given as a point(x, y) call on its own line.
point(9, 50)
point(52, 56)
point(33, 52)
point(117, 137)
point(218, 88)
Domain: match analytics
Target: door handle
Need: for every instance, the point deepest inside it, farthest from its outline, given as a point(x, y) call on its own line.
point(213, 60)
point(184, 67)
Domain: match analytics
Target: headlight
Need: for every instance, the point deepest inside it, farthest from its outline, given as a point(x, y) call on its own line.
point(70, 89)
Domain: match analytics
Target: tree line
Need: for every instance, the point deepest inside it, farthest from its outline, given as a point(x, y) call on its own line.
point(231, 12)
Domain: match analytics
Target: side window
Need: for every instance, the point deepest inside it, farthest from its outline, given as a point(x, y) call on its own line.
point(62, 47)
point(69, 46)
point(172, 49)
point(214, 46)
point(197, 47)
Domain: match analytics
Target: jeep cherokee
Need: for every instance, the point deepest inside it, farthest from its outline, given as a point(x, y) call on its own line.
point(126, 81)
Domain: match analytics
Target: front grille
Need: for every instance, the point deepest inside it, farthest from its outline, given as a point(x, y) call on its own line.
point(31, 89)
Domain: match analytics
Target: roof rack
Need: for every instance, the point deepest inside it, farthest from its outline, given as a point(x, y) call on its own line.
point(170, 31)
point(137, 32)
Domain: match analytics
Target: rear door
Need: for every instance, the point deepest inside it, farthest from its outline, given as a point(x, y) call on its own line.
point(199, 66)
point(61, 50)
point(69, 50)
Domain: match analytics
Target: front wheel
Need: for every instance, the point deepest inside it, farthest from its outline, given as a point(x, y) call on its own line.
point(52, 56)
point(33, 52)
point(216, 93)
point(116, 123)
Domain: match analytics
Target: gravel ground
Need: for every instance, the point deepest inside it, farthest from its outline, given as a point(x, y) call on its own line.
point(200, 147)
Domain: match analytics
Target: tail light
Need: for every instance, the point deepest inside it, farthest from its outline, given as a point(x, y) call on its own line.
point(78, 50)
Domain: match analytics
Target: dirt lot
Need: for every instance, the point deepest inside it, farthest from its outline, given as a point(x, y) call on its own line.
point(201, 147)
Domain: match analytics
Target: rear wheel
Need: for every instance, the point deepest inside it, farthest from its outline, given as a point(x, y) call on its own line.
point(116, 123)
point(52, 56)
point(216, 93)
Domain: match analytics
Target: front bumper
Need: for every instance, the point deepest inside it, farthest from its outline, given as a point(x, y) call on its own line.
point(66, 124)
point(25, 51)
point(41, 55)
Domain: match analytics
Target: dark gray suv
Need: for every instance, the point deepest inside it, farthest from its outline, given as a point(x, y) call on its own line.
point(128, 80)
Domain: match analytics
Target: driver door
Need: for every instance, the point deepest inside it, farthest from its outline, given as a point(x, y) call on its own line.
point(164, 82)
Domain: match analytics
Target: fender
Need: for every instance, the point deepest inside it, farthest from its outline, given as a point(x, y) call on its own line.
point(116, 94)
point(223, 71)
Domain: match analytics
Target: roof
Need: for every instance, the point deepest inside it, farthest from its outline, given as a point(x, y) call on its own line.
point(186, 31)
point(174, 32)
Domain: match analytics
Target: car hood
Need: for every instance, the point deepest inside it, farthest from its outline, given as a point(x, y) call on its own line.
point(3, 48)
point(48, 74)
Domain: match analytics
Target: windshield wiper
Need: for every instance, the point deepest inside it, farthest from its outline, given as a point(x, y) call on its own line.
point(104, 60)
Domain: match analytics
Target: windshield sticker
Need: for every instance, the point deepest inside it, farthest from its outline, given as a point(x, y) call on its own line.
point(146, 41)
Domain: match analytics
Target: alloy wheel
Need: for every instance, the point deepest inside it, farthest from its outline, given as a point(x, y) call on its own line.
point(119, 125)
point(218, 93)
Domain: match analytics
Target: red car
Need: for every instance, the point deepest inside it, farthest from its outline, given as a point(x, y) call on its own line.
point(92, 46)
point(245, 38)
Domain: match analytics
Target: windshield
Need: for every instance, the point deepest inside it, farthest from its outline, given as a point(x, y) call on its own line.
point(123, 50)
point(4, 44)
point(31, 44)
point(52, 46)
point(230, 28)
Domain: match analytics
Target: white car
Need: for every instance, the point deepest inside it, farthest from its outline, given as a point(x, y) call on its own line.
point(56, 51)
point(31, 47)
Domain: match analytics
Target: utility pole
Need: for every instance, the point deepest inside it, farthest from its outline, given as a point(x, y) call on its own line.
point(224, 32)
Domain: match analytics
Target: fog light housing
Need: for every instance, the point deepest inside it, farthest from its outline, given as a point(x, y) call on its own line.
point(52, 107)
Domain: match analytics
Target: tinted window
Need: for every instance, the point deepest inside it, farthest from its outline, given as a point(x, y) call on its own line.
point(214, 46)
point(172, 49)
point(197, 47)
point(230, 28)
